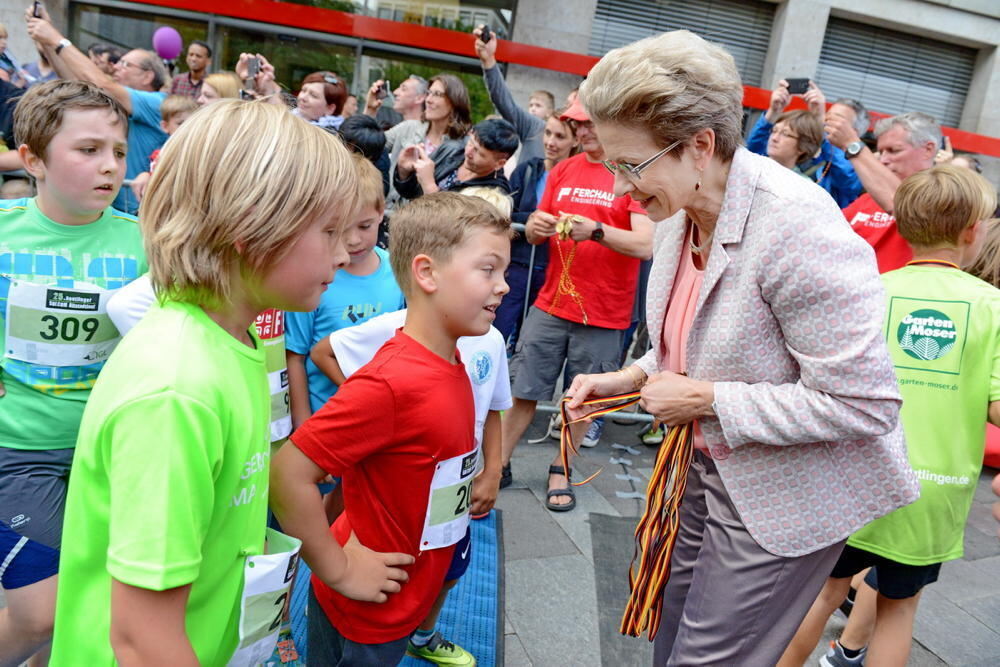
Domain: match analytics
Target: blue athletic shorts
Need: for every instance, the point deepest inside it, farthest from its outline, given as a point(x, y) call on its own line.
point(463, 556)
point(24, 561)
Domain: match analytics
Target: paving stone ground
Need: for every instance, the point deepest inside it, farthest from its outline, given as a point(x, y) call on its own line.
point(566, 572)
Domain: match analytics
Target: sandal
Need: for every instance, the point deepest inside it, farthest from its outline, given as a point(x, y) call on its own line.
point(559, 470)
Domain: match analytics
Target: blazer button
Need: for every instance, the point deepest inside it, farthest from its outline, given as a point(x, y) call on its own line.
point(720, 453)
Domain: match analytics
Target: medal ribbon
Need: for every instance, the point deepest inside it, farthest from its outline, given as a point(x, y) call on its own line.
point(656, 531)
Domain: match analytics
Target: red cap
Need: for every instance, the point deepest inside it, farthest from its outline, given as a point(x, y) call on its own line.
point(575, 112)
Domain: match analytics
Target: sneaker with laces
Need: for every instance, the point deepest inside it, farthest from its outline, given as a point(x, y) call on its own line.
point(593, 434)
point(835, 657)
point(553, 432)
point(440, 651)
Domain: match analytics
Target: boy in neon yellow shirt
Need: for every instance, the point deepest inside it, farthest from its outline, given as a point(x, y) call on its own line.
point(165, 518)
point(942, 328)
point(63, 255)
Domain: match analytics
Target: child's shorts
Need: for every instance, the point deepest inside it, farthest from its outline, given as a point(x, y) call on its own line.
point(24, 561)
point(329, 648)
point(896, 581)
point(463, 556)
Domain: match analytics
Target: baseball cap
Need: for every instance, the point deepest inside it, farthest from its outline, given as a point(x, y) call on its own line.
point(576, 112)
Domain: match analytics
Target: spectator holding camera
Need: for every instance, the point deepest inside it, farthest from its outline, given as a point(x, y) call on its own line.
point(478, 164)
point(827, 166)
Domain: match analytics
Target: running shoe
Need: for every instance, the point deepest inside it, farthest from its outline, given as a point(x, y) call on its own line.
point(440, 651)
point(835, 657)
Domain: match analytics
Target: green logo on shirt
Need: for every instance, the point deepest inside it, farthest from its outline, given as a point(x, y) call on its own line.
point(926, 334)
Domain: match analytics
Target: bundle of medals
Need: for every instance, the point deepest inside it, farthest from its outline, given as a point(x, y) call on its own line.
point(564, 227)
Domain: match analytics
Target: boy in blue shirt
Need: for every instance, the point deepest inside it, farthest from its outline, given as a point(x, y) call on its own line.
point(362, 289)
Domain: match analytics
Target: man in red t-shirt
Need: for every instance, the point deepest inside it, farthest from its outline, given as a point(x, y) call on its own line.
point(907, 144)
point(589, 291)
point(400, 432)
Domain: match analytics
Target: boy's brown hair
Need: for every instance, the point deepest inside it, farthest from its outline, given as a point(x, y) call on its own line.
point(933, 207)
point(436, 224)
point(371, 193)
point(39, 114)
point(176, 104)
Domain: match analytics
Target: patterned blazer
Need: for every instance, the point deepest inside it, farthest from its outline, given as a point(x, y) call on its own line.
point(788, 326)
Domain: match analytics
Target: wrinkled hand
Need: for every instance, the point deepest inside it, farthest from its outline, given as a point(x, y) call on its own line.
point(486, 52)
point(946, 154)
point(139, 184)
point(780, 97)
point(485, 488)
point(816, 101)
point(594, 385)
point(28, 12)
point(839, 131)
point(369, 575)
point(541, 224)
point(677, 399)
point(407, 158)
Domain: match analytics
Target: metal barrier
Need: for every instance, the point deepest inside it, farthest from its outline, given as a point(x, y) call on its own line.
point(554, 407)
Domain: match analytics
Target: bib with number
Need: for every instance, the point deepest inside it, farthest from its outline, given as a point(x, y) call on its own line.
point(267, 581)
point(448, 505)
point(271, 329)
point(59, 326)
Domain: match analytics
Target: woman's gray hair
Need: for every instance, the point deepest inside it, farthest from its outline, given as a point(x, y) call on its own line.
point(672, 85)
point(921, 127)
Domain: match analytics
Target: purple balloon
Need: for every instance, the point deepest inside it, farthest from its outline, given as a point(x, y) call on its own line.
point(167, 42)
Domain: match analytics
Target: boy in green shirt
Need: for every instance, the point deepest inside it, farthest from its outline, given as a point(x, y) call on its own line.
point(166, 514)
point(63, 254)
point(942, 328)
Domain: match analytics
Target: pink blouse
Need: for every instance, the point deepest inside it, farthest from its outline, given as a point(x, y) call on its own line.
point(677, 323)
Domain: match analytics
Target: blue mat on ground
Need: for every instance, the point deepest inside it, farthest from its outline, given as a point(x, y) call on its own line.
point(473, 614)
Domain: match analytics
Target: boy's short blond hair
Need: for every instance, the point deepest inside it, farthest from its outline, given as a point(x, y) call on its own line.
point(39, 113)
point(436, 224)
point(986, 266)
point(934, 206)
point(371, 192)
point(173, 105)
point(232, 191)
point(495, 196)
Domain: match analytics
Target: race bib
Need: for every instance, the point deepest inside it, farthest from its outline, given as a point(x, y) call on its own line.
point(448, 504)
point(271, 329)
point(267, 581)
point(281, 415)
point(58, 326)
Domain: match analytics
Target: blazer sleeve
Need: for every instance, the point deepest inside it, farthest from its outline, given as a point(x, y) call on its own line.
point(821, 283)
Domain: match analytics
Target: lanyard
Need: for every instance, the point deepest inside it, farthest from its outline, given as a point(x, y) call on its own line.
point(656, 531)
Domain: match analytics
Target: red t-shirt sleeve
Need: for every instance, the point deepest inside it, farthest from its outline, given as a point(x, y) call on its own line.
point(634, 207)
point(349, 428)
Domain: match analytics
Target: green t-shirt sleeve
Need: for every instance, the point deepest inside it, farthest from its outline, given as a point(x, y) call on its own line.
point(995, 375)
point(161, 453)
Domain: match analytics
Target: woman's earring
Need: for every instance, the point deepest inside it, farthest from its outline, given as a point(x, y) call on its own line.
point(697, 186)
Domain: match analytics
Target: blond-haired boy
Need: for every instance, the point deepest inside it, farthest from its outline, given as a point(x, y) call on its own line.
point(399, 432)
point(62, 255)
point(167, 506)
point(941, 328)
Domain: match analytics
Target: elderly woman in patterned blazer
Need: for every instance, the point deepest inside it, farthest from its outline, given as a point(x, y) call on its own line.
point(772, 309)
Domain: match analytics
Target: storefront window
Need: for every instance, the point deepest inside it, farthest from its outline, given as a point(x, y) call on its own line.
point(128, 29)
point(293, 57)
point(448, 14)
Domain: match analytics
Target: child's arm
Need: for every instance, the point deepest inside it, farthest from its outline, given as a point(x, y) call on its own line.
point(147, 627)
point(487, 484)
point(354, 570)
point(323, 356)
point(994, 413)
point(298, 388)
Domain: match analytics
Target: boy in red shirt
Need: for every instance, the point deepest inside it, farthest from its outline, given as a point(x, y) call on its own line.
point(408, 485)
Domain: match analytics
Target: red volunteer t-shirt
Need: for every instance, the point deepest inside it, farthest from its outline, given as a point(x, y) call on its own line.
point(604, 279)
point(383, 433)
point(879, 229)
